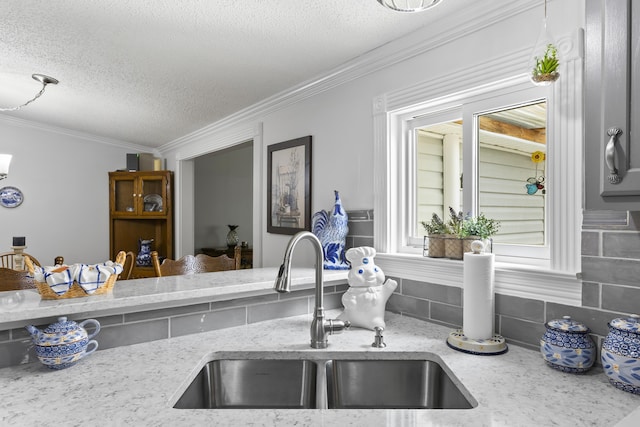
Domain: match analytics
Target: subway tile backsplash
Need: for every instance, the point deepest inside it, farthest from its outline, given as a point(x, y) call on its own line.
point(520, 308)
point(360, 228)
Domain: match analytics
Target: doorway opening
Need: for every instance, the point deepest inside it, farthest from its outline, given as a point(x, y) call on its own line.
point(223, 196)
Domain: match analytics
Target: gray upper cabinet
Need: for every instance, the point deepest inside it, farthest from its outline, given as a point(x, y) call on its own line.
point(612, 105)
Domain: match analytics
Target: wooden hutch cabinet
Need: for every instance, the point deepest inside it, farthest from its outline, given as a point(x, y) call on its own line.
point(141, 207)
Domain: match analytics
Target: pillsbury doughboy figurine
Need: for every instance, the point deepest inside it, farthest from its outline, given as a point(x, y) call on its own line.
point(366, 299)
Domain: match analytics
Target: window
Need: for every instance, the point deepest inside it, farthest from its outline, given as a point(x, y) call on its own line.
point(434, 164)
point(511, 183)
point(509, 186)
point(419, 145)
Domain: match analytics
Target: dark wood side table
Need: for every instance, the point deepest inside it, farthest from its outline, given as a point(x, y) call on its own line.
point(246, 255)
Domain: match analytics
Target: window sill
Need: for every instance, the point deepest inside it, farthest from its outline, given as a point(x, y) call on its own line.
point(510, 279)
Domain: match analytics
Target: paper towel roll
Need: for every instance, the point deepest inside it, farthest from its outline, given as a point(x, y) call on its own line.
point(478, 301)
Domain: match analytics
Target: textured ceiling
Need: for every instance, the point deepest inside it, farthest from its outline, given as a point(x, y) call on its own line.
point(148, 72)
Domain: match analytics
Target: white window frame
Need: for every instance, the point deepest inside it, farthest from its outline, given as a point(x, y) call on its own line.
point(557, 280)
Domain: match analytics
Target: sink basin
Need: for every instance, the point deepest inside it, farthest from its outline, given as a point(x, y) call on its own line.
point(392, 384)
point(293, 380)
point(252, 383)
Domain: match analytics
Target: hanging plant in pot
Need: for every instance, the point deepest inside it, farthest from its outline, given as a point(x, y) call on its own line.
point(478, 228)
point(436, 230)
point(545, 70)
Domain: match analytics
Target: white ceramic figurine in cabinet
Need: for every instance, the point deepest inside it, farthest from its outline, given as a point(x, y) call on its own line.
point(366, 299)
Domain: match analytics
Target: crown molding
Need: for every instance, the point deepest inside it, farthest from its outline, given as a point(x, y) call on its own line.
point(28, 124)
point(476, 17)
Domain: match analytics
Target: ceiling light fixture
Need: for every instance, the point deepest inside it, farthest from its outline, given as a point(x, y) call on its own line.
point(409, 5)
point(5, 160)
point(45, 80)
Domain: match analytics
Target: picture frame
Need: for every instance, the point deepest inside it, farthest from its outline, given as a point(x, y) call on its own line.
point(289, 186)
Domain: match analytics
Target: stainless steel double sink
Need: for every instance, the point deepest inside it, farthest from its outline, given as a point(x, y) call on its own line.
point(309, 380)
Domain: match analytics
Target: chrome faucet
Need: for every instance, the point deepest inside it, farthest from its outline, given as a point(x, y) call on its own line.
point(320, 327)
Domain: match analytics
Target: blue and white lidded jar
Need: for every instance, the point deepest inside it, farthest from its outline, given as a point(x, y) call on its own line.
point(567, 346)
point(621, 353)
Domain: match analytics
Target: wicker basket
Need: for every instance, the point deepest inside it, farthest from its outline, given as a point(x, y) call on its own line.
point(75, 290)
point(466, 243)
point(436, 246)
point(453, 247)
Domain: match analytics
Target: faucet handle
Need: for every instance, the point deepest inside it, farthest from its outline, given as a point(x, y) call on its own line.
point(379, 339)
point(335, 326)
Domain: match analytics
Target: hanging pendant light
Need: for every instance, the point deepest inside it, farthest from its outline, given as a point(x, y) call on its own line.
point(5, 161)
point(544, 61)
point(44, 80)
point(409, 5)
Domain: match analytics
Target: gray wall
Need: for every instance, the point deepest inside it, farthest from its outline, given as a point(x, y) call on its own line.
point(223, 195)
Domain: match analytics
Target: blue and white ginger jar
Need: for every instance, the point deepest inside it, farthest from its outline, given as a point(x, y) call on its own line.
point(567, 346)
point(620, 353)
point(62, 344)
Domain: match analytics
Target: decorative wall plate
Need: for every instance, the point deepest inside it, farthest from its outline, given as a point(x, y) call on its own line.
point(10, 197)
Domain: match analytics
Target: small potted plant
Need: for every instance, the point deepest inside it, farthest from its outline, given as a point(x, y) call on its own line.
point(453, 242)
point(478, 228)
point(545, 70)
point(436, 230)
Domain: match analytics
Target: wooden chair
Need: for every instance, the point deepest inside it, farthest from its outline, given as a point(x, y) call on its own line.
point(7, 260)
point(15, 280)
point(200, 263)
point(127, 268)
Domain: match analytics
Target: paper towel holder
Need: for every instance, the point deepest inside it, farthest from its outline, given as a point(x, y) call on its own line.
point(490, 346)
point(483, 347)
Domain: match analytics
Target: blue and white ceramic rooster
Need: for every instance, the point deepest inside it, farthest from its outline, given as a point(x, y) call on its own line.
point(331, 229)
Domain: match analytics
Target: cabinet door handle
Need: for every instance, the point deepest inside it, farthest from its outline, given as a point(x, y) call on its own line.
point(610, 155)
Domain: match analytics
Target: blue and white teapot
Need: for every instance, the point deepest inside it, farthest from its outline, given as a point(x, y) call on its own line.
point(64, 343)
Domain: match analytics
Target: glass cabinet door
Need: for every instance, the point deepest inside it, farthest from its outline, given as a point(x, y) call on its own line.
point(153, 194)
point(124, 194)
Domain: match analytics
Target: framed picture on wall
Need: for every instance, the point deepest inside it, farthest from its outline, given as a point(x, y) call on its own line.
point(289, 186)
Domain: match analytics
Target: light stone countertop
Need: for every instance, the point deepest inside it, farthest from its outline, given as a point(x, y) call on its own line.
point(137, 385)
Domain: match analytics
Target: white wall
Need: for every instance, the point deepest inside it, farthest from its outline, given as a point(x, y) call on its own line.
point(63, 177)
point(340, 119)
